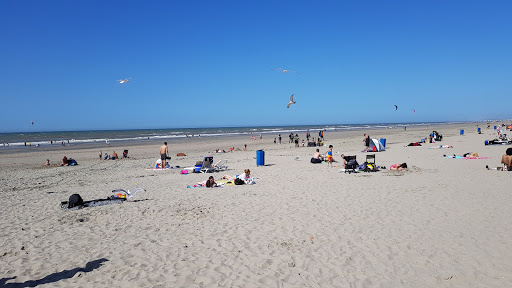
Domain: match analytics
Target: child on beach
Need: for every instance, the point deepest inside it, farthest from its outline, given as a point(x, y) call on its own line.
point(329, 156)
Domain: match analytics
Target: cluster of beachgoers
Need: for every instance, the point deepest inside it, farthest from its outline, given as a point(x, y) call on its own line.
point(340, 214)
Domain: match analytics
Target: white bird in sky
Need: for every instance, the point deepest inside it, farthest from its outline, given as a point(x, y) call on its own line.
point(291, 101)
point(122, 81)
point(128, 193)
point(284, 70)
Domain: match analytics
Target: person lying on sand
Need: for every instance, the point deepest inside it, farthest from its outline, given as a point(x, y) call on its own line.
point(210, 183)
point(244, 176)
point(64, 161)
point(398, 167)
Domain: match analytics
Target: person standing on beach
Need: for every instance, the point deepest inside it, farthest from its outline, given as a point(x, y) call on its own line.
point(329, 156)
point(163, 154)
point(366, 141)
point(279, 138)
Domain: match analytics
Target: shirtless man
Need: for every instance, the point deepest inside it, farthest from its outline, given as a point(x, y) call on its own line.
point(163, 154)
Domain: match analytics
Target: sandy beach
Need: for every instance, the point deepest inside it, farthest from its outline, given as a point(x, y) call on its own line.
point(443, 222)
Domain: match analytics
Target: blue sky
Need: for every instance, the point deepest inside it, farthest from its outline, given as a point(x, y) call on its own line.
point(208, 63)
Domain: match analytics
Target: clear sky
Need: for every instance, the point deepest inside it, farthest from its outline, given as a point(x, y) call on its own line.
point(208, 63)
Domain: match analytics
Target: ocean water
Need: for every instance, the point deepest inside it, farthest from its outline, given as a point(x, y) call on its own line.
point(102, 136)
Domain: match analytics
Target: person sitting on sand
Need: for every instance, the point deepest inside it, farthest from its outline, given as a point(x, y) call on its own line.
point(48, 162)
point(106, 156)
point(317, 157)
point(64, 161)
point(506, 159)
point(210, 183)
point(398, 167)
point(114, 155)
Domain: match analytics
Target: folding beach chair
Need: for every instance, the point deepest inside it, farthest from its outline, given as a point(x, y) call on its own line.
point(207, 165)
point(219, 166)
point(370, 163)
point(351, 165)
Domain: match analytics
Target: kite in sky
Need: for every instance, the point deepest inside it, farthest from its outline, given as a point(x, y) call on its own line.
point(396, 107)
point(413, 110)
point(291, 101)
point(32, 122)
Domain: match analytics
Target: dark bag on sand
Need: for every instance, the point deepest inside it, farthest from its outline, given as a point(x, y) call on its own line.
point(75, 200)
point(315, 161)
point(239, 181)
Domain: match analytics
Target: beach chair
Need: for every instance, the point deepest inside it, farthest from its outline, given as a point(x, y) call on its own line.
point(370, 163)
point(207, 165)
point(350, 167)
point(125, 153)
point(219, 166)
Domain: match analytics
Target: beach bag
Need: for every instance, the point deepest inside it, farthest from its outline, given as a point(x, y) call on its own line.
point(75, 200)
point(315, 161)
point(239, 181)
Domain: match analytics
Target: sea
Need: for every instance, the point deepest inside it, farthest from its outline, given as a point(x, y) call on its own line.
point(72, 138)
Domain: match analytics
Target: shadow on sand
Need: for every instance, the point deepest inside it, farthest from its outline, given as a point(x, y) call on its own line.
point(54, 277)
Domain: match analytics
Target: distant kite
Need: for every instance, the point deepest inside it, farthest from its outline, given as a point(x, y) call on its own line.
point(291, 101)
point(413, 110)
point(122, 81)
point(396, 107)
point(284, 70)
point(32, 122)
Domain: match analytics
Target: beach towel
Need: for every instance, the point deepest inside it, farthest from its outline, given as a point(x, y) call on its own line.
point(441, 147)
point(462, 157)
point(93, 203)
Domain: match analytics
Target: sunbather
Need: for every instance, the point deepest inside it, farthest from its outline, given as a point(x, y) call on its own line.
point(244, 176)
point(398, 166)
point(210, 183)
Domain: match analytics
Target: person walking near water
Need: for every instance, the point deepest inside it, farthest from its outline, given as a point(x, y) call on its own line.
point(163, 154)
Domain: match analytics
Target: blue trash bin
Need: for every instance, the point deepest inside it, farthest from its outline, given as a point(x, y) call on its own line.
point(461, 131)
point(383, 141)
point(260, 158)
point(494, 127)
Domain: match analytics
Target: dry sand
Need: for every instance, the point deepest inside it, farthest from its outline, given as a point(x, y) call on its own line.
point(442, 223)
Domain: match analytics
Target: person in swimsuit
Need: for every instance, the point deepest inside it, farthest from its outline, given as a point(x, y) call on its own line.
point(163, 154)
point(329, 156)
point(366, 141)
point(210, 183)
point(398, 166)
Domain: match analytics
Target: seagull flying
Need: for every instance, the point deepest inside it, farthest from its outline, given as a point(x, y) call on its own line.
point(128, 193)
point(284, 70)
point(291, 101)
point(122, 81)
